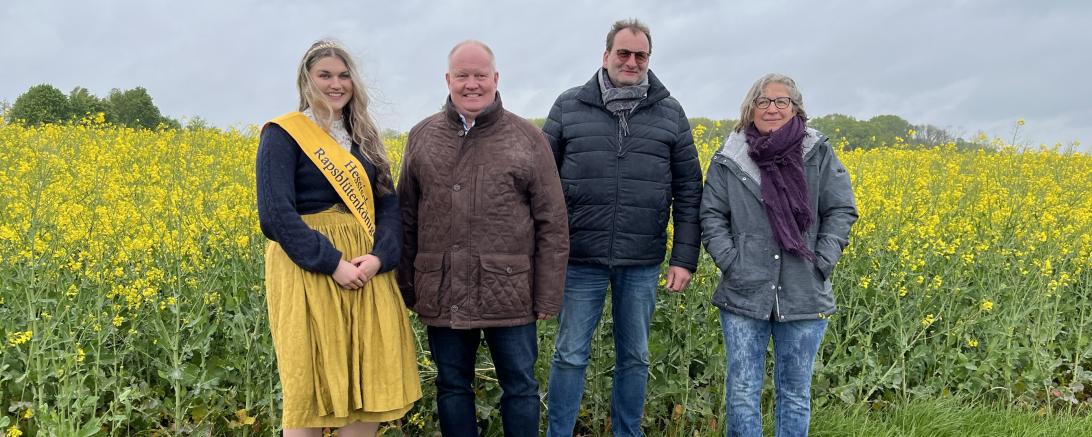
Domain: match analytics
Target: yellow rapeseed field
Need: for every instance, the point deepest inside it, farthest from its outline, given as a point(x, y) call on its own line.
point(131, 294)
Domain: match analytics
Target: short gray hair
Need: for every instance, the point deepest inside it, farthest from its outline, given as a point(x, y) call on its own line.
point(634, 25)
point(747, 109)
point(489, 51)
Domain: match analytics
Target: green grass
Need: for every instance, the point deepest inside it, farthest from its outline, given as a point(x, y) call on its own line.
point(946, 417)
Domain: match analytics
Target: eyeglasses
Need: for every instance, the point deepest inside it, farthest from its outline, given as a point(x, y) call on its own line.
point(624, 55)
point(780, 102)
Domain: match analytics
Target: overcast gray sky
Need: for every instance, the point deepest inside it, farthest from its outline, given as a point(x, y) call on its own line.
point(967, 66)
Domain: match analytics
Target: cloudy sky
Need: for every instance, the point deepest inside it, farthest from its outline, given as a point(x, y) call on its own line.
point(967, 66)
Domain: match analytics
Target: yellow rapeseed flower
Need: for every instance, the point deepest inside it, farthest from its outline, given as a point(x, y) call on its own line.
point(20, 337)
point(936, 282)
point(986, 305)
point(972, 343)
point(243, 417)
point(928, 320)
point(864, 282)
point(13, 431)
point(417, 420)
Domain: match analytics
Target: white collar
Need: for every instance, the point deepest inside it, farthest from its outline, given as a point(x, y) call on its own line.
point(337, 130)
point(466, 126)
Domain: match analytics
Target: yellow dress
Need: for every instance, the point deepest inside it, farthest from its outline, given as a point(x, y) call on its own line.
point(343, 356)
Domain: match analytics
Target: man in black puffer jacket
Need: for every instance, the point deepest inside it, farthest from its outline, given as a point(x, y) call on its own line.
point(627, 159)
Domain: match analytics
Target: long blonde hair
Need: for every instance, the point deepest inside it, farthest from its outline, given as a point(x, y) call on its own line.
point(358, 121)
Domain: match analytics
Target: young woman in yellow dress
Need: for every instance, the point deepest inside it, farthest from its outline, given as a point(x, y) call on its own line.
point(345, 351)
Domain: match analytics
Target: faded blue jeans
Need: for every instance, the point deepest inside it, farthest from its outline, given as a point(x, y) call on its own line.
point(633, 299)
point(795, 346)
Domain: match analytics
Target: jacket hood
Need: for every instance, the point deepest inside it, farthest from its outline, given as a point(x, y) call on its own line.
point(735, 149)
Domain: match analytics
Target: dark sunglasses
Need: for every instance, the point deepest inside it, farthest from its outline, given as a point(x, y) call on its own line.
point(624, 55)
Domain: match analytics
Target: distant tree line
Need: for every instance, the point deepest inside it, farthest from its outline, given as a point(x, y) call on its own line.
point(134, 108)
point(885, 130)
point(46, 104)
point(878, 131)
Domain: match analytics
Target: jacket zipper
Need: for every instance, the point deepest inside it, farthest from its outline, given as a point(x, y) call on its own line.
point(617, 190)
point(469, 241)
point(777, 306)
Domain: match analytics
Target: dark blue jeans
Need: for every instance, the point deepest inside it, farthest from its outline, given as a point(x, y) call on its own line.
point(633, 300)
point(514, 351)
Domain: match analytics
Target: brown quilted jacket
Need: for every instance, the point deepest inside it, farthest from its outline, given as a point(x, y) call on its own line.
point(485, 227)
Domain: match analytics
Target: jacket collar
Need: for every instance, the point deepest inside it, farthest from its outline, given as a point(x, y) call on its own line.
point(735, 151)
point(485, 119)
point(590, 93)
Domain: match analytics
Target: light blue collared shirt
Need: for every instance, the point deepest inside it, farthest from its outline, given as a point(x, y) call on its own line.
point(466, 127)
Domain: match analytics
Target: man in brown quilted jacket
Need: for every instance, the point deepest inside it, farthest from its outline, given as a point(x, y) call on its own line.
point(485, 242)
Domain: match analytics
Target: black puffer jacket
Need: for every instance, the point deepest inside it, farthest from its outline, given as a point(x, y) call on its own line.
point(620, 188)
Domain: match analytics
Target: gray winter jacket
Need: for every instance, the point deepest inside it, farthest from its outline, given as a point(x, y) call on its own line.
point(760, 280)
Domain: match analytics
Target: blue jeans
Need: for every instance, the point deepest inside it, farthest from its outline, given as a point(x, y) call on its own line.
point(795, 346)
point(514, 351)
point(633, 299)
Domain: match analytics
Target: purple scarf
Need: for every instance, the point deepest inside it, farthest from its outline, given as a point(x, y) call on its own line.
point(784, 186)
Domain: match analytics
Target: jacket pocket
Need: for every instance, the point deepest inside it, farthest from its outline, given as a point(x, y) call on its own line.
point(724, 262)
point(505, 287)
point(427, 277)
point(820, 277)
point(752, 266)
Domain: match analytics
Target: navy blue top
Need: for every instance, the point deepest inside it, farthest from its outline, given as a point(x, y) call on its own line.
point(289, 184)
point(622, 188)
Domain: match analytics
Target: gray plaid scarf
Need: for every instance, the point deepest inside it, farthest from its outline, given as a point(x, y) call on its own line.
point(621, 101)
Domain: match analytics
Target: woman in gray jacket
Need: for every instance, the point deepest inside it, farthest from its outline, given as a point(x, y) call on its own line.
point(775, 216)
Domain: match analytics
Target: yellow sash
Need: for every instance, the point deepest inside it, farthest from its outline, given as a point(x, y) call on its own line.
point(341, 168)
